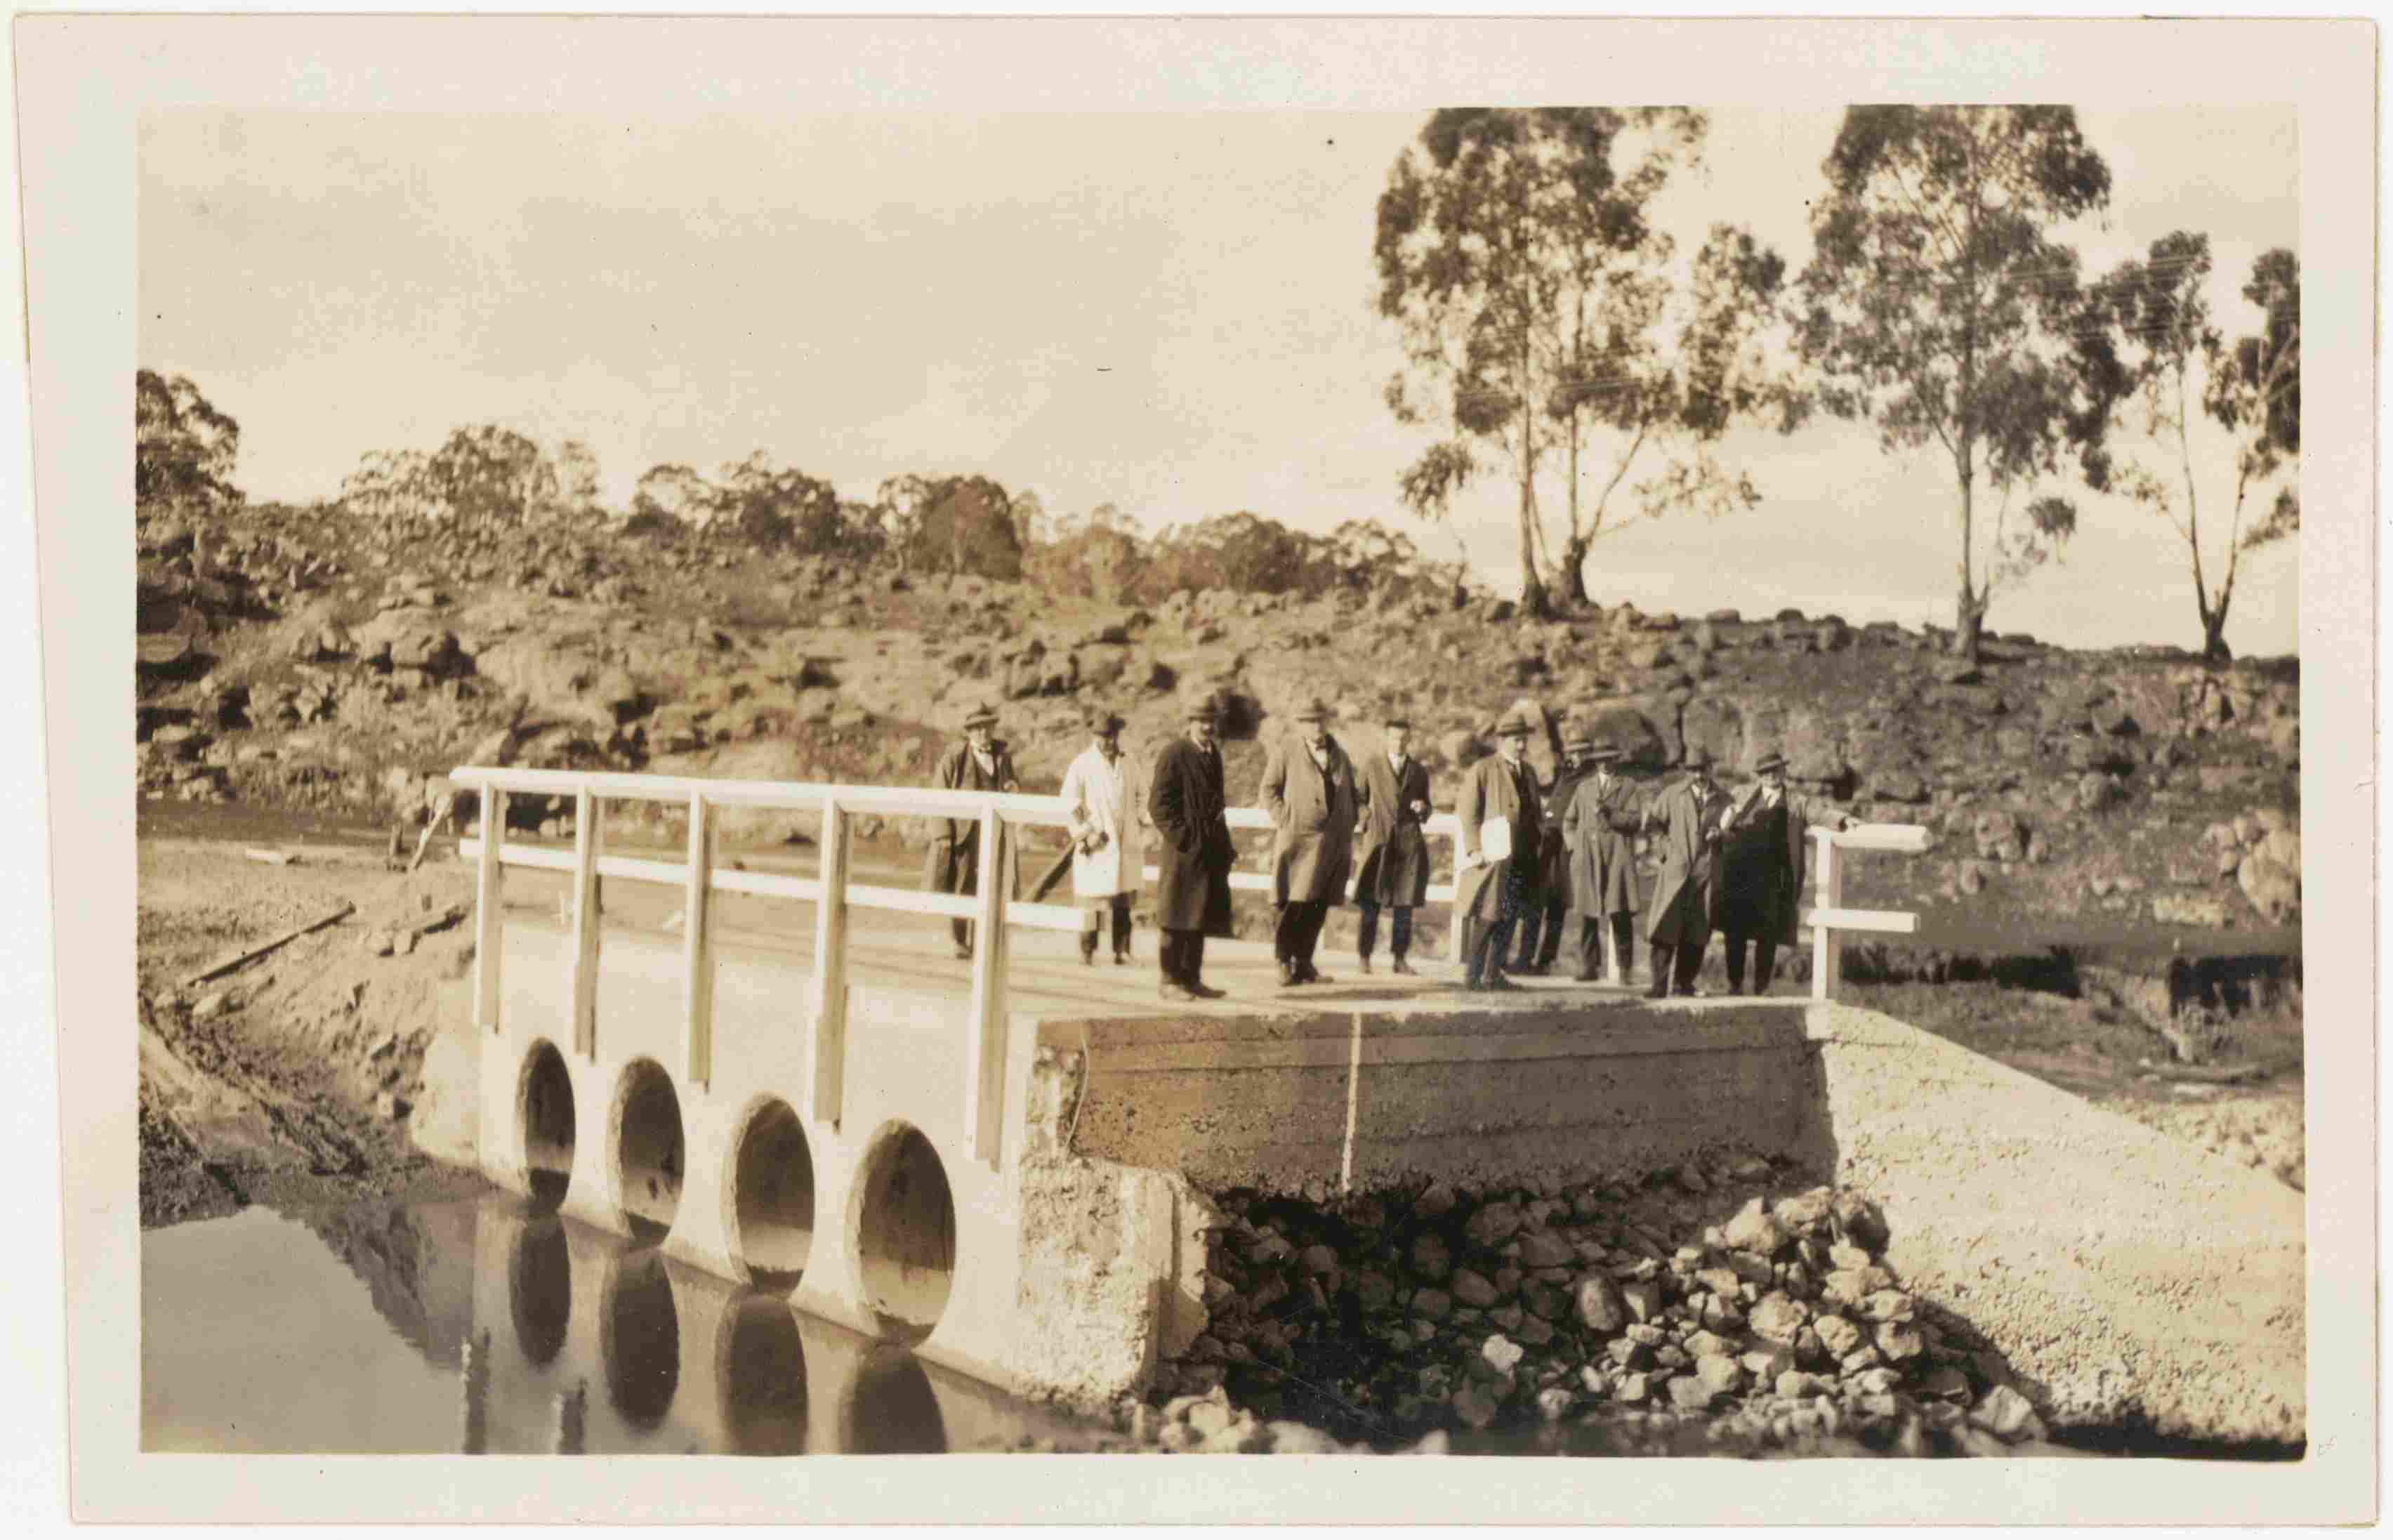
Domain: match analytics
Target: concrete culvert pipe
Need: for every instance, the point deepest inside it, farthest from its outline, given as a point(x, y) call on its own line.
point(773, 1209)
point(648, 1148)
point(545, 1111)
point(906, 1234)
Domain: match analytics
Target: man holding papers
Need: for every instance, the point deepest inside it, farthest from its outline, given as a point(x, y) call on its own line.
point(1502, 839)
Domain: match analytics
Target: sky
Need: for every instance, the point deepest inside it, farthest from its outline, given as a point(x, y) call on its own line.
point(1170, 313)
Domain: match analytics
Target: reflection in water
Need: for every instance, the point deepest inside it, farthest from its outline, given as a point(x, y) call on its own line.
point(640, 1340)
point(511, 1331)
point(764, 1379)
point(892, 1409)
point(540, 1291)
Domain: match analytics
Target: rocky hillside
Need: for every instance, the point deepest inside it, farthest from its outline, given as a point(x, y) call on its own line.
point(304, 660)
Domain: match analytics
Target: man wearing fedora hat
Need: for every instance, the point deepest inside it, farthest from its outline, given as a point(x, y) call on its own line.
point(1762, 870)
point(1686, 899)
point(1308, 789)
point(1194, 853)
point(1601, 826)
point(1391, 866)
point(1493, 886)
point(1103, 805)
point(979, 763)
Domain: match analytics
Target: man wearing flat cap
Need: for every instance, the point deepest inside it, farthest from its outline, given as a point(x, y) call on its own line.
point(1542, 927)
point(1308, 789)
point(979, 763)
point(1601, 826)
point(1105, 807)
point(1502, 838)
point(1686, 898)
point(1391, 866)
point(1762, 870)
point(1193, 855)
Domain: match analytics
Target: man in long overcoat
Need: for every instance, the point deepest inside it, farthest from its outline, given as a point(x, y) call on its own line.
point(952, 864)
point(1491, 892)
point(1600, 827)
point(1686, 899)
point(1391, 861)
point(1104, 808)
point(1761, 870)
point(1193, 855)
point(1542, 927)
point(1308, 789)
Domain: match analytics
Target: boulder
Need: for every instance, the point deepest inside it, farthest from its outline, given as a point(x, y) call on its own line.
point(2273, 888)
point(1712, 730)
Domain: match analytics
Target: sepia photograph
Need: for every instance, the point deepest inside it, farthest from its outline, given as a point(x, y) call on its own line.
point(1602, 779)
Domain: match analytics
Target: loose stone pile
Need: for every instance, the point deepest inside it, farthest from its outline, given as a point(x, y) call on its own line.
point(1712, 1298)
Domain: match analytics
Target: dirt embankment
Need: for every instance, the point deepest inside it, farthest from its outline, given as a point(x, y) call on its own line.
point(286, 1076)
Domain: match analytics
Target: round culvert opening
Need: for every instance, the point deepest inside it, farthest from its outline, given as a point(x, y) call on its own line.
point(906, 1234)
point(773, 1208)
point(764, 1377)
point(545, 1109)
point(640, 1342)
point(540, 1291)
point(648, 1148)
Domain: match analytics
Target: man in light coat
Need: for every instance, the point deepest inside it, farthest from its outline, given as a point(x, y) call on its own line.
point(1600, 827)
point(1686, 899)
point(1104, 799)
point(1492, 891)
point(952, 864)
point(1192, 853)
point(1392, 860)
point(1308, 789)
point(1762, 870)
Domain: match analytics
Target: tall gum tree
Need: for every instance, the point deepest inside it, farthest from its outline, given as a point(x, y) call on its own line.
point(2154, 348)
point(1555, 329)
point(1941, 306)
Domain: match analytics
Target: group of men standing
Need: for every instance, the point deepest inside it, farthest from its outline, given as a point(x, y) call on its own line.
point(1553, 861)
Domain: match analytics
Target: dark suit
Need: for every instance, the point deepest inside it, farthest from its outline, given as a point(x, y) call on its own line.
point(952, 864)
point(1192, 858)
point(1541, 927)
point(1392, 869)
point(1686, 899)
point(1490, 896)
point(1761, 879)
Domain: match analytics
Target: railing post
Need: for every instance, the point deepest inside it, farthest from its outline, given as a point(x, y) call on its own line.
point(985, 1069)
point(585, 924)
point(829, 1041)
point(697, 945)
point(1615, 967)
point(1827, 948)
point(1457, 921)
point(489, 923)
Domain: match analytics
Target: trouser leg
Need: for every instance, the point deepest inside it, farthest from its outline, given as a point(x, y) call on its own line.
point(1121, 924)
point(1287, 931)
point(1530, 923)
point(1624, 941)
point(1733, 943)
point(1316, 917)
point(1400, 931)
point(1557, 920)
point(1765, 963)
point(966, 881)
point(1367, 928)
point(1690, 962)
point(1195, 957)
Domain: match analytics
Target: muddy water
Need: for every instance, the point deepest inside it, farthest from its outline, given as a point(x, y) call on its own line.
point(485, 1325)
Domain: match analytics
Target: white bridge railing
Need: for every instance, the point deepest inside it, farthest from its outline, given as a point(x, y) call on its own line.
point(835, 895)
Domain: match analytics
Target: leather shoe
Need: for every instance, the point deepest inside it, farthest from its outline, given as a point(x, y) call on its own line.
point(1172, 991)
point(1660, 991)
point(1473, 986)
point(1308, 973)
point(1399, 966)
point(1364, 963)
point(1205, 991)
point(1121, 959)
point(1287, 979)
point(1500, 983)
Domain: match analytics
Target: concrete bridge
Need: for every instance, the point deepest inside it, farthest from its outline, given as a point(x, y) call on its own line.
point(1003, 1162)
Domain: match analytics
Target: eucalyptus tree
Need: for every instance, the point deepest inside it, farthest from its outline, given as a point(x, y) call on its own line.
point(184, 449)
point(1941, 306)
point(1547, 317)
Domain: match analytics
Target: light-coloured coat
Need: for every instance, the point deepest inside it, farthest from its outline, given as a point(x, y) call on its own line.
point(1391, 858)
point(1312, 810)
point(1101, 799)
point(1600, 827)
point(1491, 791)
point(1686, 898)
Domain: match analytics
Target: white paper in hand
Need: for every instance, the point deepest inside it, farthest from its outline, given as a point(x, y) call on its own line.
point(1496, 839)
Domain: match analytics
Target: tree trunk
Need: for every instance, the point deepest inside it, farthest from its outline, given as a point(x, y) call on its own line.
point(2215, 650)
point(1574, 573)
point(1969, 608)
